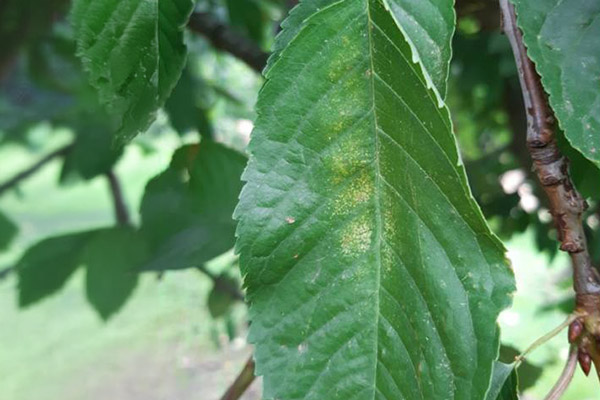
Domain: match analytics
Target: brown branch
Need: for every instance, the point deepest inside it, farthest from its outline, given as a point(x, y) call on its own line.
point(121, 212)
point(225, 38)
point(566, 204)
point(15, 180)
point(241, 383)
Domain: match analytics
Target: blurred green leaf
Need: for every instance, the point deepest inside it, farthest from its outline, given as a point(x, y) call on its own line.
point(8, 230)
point(248, 17)
point(46, 266)
point(220, 298)
point(187, 210)
point(93, 153)
point(112, 258)
point(186, 108)
point(133, 52)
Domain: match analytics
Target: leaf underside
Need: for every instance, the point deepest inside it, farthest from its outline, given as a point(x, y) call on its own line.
point(562, 39)
point(133, 52)
point(370, 270)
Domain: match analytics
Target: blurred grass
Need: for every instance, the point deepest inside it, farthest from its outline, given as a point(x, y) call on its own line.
point(162, 344)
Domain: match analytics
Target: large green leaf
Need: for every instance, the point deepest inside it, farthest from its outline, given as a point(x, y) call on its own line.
point(370, 270)
point(46, 266)
point(112, 258)
point(562, 39)
point(428, 26)
point(8, 230)
point(187, 210)
point(133, 52)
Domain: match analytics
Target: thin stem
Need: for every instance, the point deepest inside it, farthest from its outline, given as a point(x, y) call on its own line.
point(565, 377)
point(242, 382)
point(547, 337)
point(121, 212)
point(26, 173)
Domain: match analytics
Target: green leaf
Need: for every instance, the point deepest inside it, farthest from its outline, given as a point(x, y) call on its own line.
point(504, 383)
point(562, 39)
point(112, 258)
point(428, 26)
point(93, 153)
point(8, 230)
point(46, 266)
point(187, 210)
point(133, 52)
point(370, 270)
point(220, 299)
point(248, 16)
point(185, 106)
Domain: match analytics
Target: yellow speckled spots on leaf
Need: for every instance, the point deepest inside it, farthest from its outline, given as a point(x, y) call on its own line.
point(350, 155)
point(359, 191)
point(356, 237)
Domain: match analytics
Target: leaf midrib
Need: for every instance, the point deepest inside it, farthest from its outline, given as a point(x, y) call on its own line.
point(378, 218)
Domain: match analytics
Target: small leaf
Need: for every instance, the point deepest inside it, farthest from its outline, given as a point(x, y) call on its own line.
point(370, 270)
point(504, 383)
point(133, 52)
point(93, 153)
point(46, 266)
point(185, 106)
point(112, 258)
point(562, 40)
point(220, 299)
point(187, 210)
point(248, 16)
point(8, 230)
